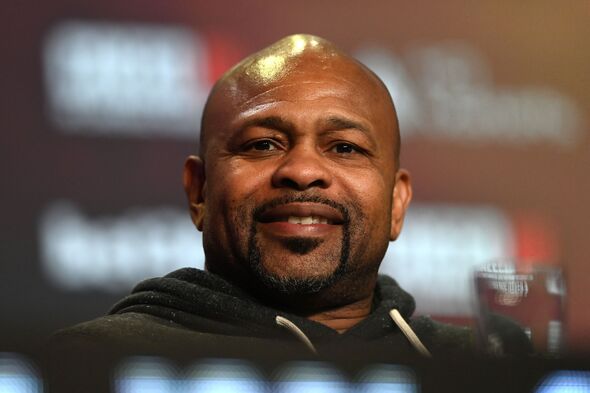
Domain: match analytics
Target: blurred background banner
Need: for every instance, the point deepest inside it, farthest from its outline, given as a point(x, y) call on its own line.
point(101, 102)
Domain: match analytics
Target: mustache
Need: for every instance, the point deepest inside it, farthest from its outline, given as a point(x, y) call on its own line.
point(289, 198)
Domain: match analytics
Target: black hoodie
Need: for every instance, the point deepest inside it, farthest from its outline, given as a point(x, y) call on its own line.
point(194, 310)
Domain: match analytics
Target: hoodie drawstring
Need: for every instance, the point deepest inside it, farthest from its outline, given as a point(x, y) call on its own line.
point(394, 314)
point(409, 333)
point(290, 326)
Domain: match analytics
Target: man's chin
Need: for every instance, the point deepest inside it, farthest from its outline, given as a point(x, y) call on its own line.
point(291, 285)
point(295, 274)
point(301, 245)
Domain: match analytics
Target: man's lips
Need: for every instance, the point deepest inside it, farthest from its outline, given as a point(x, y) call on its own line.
point(302, 213)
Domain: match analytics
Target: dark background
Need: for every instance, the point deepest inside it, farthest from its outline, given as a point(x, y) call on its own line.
point(514, 142)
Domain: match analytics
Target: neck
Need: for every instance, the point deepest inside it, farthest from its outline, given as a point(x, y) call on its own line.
point(338, 307)
point(343, 318)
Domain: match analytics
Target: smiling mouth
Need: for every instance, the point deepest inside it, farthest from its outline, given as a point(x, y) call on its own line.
point(302, 214)
point(301, 220)
point(309, 220)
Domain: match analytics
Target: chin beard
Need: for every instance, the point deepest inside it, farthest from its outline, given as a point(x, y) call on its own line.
point(300, 246)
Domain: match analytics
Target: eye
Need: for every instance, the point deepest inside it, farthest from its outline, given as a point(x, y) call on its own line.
point(263, 145)
point(345, 148)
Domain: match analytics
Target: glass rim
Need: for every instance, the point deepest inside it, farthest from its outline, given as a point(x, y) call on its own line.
point(512, 267)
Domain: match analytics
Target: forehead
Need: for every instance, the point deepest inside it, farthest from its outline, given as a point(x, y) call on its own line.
point(307, 81)
point(306, 97)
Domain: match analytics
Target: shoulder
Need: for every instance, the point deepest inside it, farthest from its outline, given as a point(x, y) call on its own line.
point(142, 333)
point(443, 337)
point(128, 328)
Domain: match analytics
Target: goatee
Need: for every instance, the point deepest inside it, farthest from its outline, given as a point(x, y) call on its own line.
point(300, 246)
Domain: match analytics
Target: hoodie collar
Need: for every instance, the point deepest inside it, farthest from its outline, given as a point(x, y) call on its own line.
point(203, 301)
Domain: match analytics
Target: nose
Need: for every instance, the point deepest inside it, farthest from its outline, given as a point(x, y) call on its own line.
point(302, 168)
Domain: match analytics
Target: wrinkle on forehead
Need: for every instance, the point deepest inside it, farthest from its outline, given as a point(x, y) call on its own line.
point(260, 97)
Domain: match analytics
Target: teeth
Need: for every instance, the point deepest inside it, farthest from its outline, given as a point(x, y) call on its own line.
point(307, 220)
point(294, 220)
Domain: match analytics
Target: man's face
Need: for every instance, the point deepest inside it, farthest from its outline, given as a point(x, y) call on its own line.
point(299, 180)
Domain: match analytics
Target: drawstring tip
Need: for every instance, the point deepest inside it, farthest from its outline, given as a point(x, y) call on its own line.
point(409, 333)
point(290, 326)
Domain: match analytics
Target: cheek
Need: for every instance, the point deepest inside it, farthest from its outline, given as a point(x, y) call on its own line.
point(228, 216)
point(231, 193)
point(231, 181)
point(370, 186)
point(374, 198)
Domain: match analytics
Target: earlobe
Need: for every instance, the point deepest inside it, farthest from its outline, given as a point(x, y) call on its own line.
point(197, 214)
point(402, 195)
point(194, 186)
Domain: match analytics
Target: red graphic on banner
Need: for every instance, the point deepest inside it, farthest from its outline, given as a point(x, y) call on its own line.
point(535, 238)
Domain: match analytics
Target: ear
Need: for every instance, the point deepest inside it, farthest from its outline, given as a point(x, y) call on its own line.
point(194, 185)
point(402, 195)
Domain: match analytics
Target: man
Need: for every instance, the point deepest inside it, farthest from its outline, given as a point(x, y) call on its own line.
point(298, 191)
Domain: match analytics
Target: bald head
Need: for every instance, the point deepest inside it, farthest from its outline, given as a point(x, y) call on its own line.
point(293, 59)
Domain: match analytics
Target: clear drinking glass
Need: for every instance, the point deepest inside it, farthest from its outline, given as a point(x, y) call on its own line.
point(520, 308)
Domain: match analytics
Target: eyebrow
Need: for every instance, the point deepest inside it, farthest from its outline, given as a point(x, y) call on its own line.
point(272, 122)
point(340, 123)
point(332, 123)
